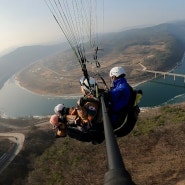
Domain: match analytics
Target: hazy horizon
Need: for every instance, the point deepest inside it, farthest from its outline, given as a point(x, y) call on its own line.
point(31, 23)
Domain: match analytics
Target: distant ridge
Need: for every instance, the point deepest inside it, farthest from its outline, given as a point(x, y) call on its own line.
point(23, 56)
point(114, 44)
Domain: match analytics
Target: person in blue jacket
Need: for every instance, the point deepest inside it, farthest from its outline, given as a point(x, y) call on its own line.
point(119, 94)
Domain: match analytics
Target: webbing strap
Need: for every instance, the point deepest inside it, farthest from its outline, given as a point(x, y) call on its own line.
point(121, 124)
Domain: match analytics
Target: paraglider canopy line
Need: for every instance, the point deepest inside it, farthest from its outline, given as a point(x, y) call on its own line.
point(78, 20)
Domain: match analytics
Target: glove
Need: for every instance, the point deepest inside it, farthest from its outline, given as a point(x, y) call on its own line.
point(63, 119)
point(81, 101)
point(65, 111)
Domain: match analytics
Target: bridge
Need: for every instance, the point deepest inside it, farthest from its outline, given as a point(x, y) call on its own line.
point(164, 74)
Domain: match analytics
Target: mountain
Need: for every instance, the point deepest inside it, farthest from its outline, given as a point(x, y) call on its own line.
point(157, 48)
point(153, 153)
point(24, 56)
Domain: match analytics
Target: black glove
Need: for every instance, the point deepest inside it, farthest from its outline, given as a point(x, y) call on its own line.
point(81, 101)
point(65, 111)
point(63, 119)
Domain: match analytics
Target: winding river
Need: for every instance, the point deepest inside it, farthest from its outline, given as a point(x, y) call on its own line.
point(18, 102)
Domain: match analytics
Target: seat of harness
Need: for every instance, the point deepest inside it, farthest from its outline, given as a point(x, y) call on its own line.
point(131, 107)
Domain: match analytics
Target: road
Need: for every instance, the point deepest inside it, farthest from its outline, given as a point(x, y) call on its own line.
point(7, 158)
point(18, 139)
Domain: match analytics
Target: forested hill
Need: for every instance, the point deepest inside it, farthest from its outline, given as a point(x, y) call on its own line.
point(21, 57)
point(153, 153)
point(143, 35)
point(169, 34)
point(158, 48)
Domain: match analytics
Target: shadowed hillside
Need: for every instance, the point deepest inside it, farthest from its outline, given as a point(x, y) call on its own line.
point(153, 154)
point(21, 57)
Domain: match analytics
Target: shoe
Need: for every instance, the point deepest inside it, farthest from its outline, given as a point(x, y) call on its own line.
point(62, 130)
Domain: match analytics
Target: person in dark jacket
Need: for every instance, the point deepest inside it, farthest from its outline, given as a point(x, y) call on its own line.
point(119, 94)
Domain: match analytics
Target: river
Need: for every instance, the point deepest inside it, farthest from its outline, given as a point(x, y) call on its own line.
point(160, 91)
point(18, 102)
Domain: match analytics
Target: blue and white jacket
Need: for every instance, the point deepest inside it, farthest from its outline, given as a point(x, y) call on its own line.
point(119, 96)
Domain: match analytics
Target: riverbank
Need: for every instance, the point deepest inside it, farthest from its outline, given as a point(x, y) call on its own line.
point(67, 95)
point(68, 90)
point(18, 101)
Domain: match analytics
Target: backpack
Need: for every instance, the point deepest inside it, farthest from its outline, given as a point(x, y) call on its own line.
point(127, 117)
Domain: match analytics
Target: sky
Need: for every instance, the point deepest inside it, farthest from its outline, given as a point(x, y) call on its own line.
point(27, 22)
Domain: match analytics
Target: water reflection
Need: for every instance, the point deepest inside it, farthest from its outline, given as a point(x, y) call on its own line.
point(18, 102)
point(160, 91)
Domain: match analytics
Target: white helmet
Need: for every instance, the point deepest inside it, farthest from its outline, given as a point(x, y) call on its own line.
point(58, 108)
point(92, 83)
point(117, 71)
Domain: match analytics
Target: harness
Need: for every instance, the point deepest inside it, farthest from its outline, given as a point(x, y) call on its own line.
point(131, 109)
